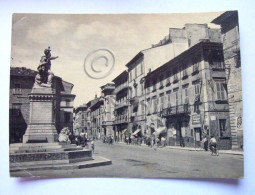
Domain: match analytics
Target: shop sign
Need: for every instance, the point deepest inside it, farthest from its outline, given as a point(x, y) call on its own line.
point(196, 119)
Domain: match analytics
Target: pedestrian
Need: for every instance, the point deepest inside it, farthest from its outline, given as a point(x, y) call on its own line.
point(163, 141)
point(152, 142)
point(93, 146)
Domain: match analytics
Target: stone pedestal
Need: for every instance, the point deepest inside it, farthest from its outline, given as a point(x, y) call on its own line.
point(40, 149)
point(41, 128)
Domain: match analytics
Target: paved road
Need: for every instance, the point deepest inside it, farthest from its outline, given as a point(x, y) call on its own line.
point(142, 161)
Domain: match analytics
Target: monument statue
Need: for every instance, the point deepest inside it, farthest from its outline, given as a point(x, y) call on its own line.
point(45, 75)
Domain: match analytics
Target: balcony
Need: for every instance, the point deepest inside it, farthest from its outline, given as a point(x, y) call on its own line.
point(121, 119)
point(121, 87)
point(121, 104)
point(174, 110)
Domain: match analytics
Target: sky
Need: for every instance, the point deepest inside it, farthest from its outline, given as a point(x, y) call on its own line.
point(73, 37)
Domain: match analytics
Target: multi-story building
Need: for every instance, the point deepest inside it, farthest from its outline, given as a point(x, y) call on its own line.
point(96, 116)
point(80, 119)
point(150, 59)
point(231, 48)
point(121, 105)
point(21, 84)
point(108, 109)
point(187, 97)
point(66, 106)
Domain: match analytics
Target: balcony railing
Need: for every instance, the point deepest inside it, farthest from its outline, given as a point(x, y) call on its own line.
point(121, 119)
point(180, 109)
point(121, 104)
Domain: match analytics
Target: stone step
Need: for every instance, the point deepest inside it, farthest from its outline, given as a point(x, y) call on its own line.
point(45, 156)
point(24, 150)
point(49, 162)
point(96, 161)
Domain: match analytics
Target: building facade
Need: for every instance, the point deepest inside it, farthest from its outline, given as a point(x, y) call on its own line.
point(21, 84)
point(188, 97)
point(150, 59)
point(96, 110)
point(121, 105)
point(108, 106)
point(231, 47)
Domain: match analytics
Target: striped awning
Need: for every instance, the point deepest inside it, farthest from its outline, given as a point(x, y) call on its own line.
point(137, 131)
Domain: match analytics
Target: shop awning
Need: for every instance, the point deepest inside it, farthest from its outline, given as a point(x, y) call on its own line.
point(160, 130)
point(137, 131)
point(124, 131)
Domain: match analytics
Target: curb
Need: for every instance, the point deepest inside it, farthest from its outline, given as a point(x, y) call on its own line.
point(192, 149)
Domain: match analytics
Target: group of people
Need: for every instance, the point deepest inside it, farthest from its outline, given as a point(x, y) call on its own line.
point(212, 142)
point(81, 140)
point(108, 139)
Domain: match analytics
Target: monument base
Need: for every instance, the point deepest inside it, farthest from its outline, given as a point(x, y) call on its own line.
point(41, 126)
point(46, 156)
point(40, 133)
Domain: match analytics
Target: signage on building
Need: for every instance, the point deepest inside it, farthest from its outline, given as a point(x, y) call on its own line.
point(213, 118)
point(239, 122)
point(196, 119)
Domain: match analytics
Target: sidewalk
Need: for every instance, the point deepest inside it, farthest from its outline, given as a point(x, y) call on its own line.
point(193, 149)
point(199, 149)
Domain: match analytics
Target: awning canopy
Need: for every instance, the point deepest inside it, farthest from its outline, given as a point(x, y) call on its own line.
point(160, 130)
point(124, 131)
point(137, 131)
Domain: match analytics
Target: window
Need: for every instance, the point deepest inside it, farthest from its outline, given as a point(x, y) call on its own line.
point(222, 123)
point(217, 65)
point(142, 88)
point(149, 107)
point(131, 93)
point(238, 59)
point(154, 103)
point(216, 60)
point(130, 76)
point(82, 116)
point(161, 98)
point(176, 98)
point(175, 75)
point(161, 81)
point(17, 88)
point(135, 91)
point(67, 117)
point(184, 71)
point(186, 95)
point(197, 89)
point(142, 106)
point(168, 96)
point(68, 102)
point(176, 95)
point(142, 67)
point(221, 91)
point(168, 78)
point(196, 65)
point(16, 110)
point(154, 85)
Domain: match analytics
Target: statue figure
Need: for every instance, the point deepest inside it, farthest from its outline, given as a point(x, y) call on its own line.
point(64, 135)
point(45, 75)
